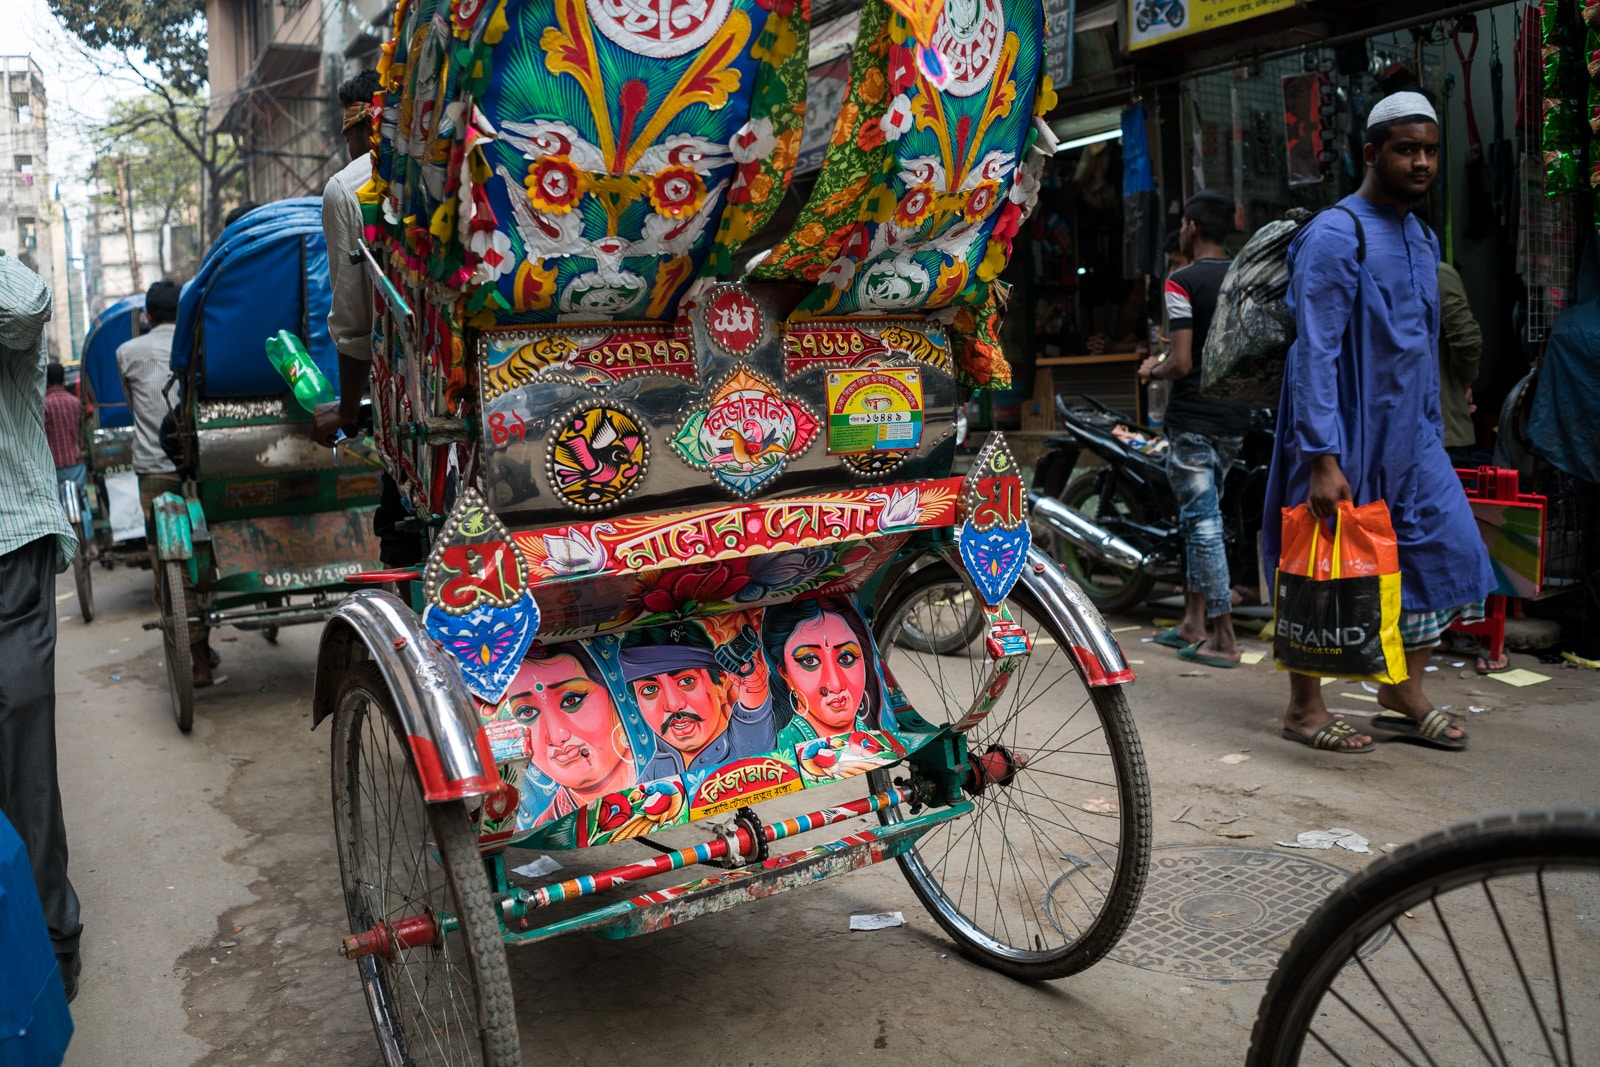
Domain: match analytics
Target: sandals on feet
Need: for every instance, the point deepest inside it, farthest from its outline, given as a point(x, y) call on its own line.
point(1171, 639)
point(1192, 654)
point(1428, 730)
point(1331, 738)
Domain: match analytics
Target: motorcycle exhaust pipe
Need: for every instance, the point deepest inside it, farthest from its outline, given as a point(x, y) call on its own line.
point(1085, 534)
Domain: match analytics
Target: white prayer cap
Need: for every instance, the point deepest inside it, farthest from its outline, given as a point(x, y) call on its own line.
point(1401, 106)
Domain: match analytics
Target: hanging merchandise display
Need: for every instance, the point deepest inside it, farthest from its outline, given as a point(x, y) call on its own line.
point(1562, 113)
point(1141, 205)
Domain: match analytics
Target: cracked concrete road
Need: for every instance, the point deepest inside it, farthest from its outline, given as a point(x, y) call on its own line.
point(212, 904)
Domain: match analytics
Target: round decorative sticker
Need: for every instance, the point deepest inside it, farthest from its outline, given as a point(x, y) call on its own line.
point(660, 28)
point(598, 455)
point(734, 320)
point(871, 464)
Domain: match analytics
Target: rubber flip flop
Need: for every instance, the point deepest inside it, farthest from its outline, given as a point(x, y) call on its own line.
point(1171, 639)
point(1428, 731)
point(1192, 654)
point(1329, 737)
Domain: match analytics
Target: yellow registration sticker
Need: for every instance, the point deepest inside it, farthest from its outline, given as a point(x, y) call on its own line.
point(877, 410)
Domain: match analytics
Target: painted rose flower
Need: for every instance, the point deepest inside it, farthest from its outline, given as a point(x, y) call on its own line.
point(677, 191)
point(493, 250)
point(555, 185)
point(980, 201)
point(847, 122)
point(870, 136)
point(872, 85)
point(706, 583)
point(896, 122)
point(914, 206)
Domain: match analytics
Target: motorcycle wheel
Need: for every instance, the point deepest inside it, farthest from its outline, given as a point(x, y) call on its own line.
point(1175, 14)
point(1112, 589)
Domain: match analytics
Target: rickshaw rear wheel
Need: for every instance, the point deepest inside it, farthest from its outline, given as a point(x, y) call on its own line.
point(1043, 878)
point(175, 636)
point(449, 1002)
point(83, 578)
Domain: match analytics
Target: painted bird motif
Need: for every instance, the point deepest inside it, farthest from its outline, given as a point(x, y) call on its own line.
point(748, 451)
point(597, 460)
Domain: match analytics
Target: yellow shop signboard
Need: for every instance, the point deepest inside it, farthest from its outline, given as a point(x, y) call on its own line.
point(1157, 21)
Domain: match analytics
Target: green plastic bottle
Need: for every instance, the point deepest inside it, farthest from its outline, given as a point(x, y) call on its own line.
point(311, 387)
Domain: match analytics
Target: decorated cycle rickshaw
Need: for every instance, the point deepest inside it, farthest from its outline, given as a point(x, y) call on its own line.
point(269, 525)
point(107, 516)
point(689, 521)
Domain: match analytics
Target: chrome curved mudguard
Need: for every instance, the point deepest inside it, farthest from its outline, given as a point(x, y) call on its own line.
point(1094, 649)
point(441, 722)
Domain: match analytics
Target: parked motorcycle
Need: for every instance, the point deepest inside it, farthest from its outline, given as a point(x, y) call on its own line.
point(1115, 528)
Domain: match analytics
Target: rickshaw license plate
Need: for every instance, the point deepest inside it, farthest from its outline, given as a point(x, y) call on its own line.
point(878, 410)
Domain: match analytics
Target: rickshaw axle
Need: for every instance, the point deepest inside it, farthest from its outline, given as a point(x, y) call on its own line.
point(415, 931)
point(736, 842)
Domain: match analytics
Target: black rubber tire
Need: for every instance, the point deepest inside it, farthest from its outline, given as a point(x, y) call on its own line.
point(83, 579)
point(1495, 846)
point(1124, 876)
point(175, 639)
point(441, 837)
point(1112, 589)
point(1175, 14)
point(964, 610)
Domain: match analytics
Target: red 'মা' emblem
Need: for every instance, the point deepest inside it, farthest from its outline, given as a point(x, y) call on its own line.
point(734, 321)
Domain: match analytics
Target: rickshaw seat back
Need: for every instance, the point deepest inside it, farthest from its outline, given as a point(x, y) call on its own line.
point(113, 327)
point(266, 272)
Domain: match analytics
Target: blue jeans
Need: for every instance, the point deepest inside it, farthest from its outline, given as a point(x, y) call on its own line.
point(1196, 465)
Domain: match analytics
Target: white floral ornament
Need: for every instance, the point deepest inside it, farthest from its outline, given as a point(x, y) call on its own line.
point(839, 273)
point(896, 122)
point(493, 249)
point(753, 141)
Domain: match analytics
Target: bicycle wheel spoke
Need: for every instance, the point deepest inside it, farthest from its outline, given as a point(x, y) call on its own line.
point(1522, 974)
point(1555, 969)
point(1466, 976)
point(1445, 997)
point(1353, 1010)
point(1395, 1011)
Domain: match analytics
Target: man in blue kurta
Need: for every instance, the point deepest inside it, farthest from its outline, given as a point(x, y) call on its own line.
point(1359, 416)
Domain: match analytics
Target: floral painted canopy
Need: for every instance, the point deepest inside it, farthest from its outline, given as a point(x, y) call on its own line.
point(549, 161)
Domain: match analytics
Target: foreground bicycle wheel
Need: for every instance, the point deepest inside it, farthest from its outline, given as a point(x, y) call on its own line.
point(448, 1002)
point(1477, 944)
point(1043, 878)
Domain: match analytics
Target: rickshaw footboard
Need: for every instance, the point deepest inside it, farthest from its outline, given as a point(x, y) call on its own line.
point(662, 908)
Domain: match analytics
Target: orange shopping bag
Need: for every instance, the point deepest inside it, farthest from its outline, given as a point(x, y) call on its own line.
point(1336, 599)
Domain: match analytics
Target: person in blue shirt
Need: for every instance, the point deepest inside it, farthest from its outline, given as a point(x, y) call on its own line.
point(703, 715)
point(1359, 415)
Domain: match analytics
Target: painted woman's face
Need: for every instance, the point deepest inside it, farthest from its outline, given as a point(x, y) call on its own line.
point(825, 666)
point(573, 721)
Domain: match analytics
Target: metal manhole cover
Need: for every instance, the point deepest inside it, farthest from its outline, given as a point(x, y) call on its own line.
point(1224, 914)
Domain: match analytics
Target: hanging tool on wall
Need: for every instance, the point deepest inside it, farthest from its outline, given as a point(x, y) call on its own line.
point(1501, 156)
point(1480, 198)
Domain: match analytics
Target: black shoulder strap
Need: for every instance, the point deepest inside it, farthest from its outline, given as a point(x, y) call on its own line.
point(1361, 234)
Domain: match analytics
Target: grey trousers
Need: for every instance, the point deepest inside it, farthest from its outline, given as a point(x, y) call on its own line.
point(30, 795)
